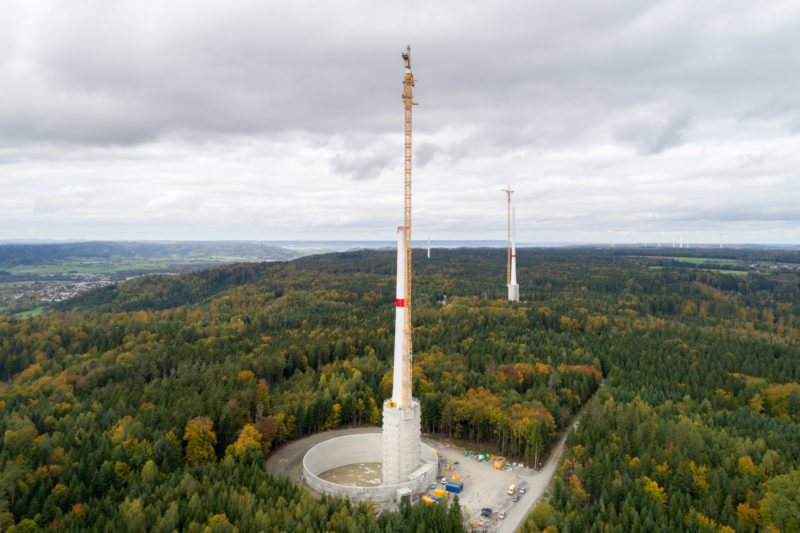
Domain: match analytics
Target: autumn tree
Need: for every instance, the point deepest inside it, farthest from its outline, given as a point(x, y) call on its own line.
point(200, 441)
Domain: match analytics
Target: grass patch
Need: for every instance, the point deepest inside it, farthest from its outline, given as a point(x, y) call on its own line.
point(705, 260)
point(720, 270)
point(36, 311)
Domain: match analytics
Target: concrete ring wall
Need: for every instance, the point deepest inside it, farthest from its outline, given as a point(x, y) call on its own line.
point(362, 448)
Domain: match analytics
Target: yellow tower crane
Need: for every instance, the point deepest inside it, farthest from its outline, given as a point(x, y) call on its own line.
point(408, 104)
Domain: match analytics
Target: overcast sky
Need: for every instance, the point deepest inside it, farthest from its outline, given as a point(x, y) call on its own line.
point(614, 121)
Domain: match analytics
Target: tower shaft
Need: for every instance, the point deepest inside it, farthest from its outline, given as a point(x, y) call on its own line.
point(513, 286)
point(508, 192)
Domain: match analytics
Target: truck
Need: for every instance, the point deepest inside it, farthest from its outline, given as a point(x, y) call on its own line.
point(499, 463)
point(454, 486)
point(428, 500)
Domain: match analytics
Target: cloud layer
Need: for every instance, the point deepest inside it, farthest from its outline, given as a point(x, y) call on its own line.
point(613, 121)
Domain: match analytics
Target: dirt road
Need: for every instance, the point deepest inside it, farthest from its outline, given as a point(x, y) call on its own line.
point(288, 460)
point(537, 483)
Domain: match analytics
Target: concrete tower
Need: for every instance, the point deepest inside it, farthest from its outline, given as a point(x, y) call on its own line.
point(401, 412)
point(513, 287)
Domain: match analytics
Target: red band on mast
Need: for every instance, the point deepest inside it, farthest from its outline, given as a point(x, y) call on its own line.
point(400, 302)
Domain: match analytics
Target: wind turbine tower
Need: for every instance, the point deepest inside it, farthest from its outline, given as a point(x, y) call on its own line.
point(513, 287)
point(508, 192)
point(401, 412)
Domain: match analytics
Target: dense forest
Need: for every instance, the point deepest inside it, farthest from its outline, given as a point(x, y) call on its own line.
point(150, 405)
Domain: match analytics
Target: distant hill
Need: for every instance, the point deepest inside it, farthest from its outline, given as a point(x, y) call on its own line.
point(157, 292)
point(37, 254)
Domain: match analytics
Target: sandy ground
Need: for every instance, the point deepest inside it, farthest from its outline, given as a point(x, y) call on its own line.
point(484, 486)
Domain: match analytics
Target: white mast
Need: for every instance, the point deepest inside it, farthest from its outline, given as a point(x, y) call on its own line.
point(399, 318)
point(429, 245)
point(513, 286)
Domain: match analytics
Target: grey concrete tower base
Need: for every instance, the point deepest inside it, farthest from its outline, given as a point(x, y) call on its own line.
point(513, 292)
point(401, 442)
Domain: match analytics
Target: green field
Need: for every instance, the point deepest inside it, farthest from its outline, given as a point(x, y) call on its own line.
point(720, 270)
point(33, 312)
point(705, 260)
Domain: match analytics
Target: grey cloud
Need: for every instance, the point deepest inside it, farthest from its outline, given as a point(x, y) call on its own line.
point(650, 138)
point(361, 167)
point(113, 72)
point(424, 153)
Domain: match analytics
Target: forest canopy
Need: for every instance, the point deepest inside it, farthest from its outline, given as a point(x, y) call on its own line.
point(151, 405)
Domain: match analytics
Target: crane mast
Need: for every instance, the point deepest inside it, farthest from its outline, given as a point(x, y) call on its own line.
point(408, 104)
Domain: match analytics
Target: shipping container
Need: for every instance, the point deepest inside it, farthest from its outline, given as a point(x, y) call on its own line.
point(454, 486)
point(427, 499)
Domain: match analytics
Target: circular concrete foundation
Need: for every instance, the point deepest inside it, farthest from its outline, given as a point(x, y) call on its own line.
point(363, 448)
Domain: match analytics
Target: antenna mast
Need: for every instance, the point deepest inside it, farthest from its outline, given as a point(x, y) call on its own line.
point(408, 104)
point(508, 192)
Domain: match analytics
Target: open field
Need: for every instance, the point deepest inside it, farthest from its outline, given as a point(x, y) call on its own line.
point(32, 312)
point(704, 260)
point(720, 270)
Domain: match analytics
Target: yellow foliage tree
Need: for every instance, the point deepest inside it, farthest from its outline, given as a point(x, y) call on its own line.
point(652, 489)
point(699, 476)
point(374, 414)
point(748, 516)
point(746, 466)
point(249, 441)
point(577, 488)
point(245, 375)
point(335, 418)
point(200, 440)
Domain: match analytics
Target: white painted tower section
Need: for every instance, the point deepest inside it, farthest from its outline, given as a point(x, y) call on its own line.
point(399, 319)
point(513, 287)
point(429, 245)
